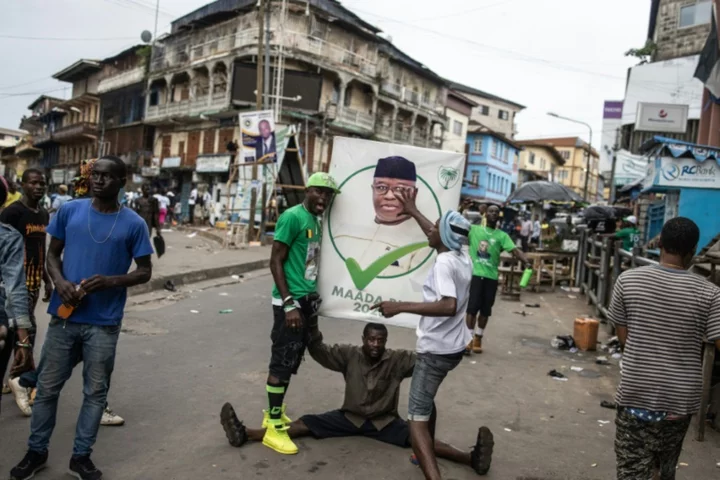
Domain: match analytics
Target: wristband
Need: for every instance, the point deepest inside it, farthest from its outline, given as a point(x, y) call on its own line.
point(23, 345)
point(287, 299)
point(289, 308)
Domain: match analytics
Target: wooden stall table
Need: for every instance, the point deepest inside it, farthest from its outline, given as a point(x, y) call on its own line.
point(508, 291)
point(540, 258)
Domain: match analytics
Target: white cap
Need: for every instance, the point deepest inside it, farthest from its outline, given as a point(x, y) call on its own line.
point(631, 219)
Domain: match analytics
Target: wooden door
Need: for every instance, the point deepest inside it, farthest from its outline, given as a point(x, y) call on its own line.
point(166, 143)
point(193, 147)
point(209, 141)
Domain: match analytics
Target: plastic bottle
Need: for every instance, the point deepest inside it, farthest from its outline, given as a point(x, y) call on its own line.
point(527, 275)
point(64, 311)
point(227, 310)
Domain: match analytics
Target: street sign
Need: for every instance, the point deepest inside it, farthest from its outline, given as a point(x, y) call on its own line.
point(661, 117)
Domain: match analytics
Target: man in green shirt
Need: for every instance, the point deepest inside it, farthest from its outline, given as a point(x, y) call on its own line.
point(294, 262)
point(629, 234)
point(486, 244)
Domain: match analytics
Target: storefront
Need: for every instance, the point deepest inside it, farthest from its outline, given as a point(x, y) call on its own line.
point(213, 173)
point(689, 177)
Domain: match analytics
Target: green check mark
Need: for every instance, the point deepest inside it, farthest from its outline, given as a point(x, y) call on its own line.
point(362, 278)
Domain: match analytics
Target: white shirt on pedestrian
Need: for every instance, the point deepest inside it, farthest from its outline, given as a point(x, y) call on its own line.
point(193, 196)
point(536, 228)
point(526, 228)
point(163, 201)
point(450, 276)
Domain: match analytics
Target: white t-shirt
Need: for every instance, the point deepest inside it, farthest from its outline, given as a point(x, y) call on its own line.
point(449, 277)
point(162, 200)
point(193, 196)
point(526, 228)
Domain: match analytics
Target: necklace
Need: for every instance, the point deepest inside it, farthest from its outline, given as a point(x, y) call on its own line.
point(92, 203)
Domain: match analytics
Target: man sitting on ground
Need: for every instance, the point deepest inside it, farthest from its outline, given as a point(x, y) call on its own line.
point(372, 390)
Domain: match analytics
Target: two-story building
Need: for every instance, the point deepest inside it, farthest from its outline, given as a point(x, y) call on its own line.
point(493, 112)
point(458, 110)
point(11, 164)
point(539, 161)
point(339, 77)
point(576, 153)
point(78, 132)
point(491, 171)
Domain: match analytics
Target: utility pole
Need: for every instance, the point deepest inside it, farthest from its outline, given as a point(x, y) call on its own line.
point(615, 149)
point(266, 83)
point(261, 45)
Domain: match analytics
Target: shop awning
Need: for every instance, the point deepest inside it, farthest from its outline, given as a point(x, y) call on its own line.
point(669, 147)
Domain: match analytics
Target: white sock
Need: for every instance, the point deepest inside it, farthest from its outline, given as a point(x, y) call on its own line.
point(478, 331)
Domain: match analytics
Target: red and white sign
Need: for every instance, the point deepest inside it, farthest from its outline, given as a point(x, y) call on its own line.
point(661, 118)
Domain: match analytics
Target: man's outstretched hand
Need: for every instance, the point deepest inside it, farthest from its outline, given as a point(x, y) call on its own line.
point(407, 198)
point(387, 309)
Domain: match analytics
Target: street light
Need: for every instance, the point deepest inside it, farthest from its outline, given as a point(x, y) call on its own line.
point(587, 164)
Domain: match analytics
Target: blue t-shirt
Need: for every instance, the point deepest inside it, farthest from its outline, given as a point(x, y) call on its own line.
point(84, 257)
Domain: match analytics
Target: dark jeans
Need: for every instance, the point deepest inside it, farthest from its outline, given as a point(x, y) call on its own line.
point(65, 344)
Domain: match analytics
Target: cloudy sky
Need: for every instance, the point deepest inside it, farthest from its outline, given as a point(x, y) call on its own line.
point(564, 56)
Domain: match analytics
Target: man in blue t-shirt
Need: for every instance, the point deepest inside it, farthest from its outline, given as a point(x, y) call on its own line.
point(93, 244)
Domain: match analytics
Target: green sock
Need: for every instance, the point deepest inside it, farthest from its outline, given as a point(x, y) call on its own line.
point(276, 395)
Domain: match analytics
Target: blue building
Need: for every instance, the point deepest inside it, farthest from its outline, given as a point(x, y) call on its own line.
point(491, 171)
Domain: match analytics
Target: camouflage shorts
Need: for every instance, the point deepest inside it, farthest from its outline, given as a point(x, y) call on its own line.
point(642, 448)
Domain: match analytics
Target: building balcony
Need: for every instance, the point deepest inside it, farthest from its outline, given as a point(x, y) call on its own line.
point(121, 80)
point(411, 96)
point(183, 52)
point(355, 119)
point(392, 89)
point(187, 108)
point(42, 138)
point(76, 132)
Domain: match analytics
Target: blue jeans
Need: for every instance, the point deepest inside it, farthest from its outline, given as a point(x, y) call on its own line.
point(430, 371)
point(65, 344)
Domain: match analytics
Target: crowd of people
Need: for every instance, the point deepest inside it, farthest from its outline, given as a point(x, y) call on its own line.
point(662, 315)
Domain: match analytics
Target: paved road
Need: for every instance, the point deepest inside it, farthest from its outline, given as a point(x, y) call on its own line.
point(176, 368)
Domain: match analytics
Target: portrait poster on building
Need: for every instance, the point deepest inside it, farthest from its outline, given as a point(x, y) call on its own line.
point(370, 251)
point(258, 136)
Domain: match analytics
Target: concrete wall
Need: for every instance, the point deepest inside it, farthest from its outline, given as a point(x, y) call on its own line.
point(673, 41)
point(492, 120)
point(452, 142)
point(700, 205)
point(543, 161)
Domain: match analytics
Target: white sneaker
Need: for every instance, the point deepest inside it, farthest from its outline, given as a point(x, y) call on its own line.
point(22, 396)
point(111, 419)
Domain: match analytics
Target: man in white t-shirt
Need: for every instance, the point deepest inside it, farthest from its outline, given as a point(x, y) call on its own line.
point(442, 331)
point(191, 203)
point(526, 228)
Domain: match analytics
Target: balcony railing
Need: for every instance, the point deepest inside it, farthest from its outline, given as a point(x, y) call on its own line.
point(411, 96)
point(41, 138)
point(355, 118)
point(402, 135)
point(76, 131)
point(185, 52)
point(187, 108)
point(394, 89)
point(122, 79)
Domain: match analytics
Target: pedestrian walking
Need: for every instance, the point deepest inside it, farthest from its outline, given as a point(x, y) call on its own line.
point(29, 218)
point(60, 199)
point(526, 229)
point(15, 334)
point(535, 239)
point(93, 244)
point(148, 208)
point(442, 333)
point(294, 264)
point(163, 204)
point(486, 245)
point(662, 315)
point(192, 201)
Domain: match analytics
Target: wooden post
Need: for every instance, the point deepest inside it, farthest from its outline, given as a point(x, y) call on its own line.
point(260, 61)
point(708, 362)
point(263, 215)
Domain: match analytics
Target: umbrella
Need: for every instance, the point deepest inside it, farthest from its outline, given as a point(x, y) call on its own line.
point(542, 190)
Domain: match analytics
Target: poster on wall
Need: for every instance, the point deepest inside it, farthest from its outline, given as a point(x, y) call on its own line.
point(683, 172)
point(258, 136)
point(370, 251)
point(245, 186)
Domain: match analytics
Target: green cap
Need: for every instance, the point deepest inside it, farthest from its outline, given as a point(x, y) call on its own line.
point(322, 179)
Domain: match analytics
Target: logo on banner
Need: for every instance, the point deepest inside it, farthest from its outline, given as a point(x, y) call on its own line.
point(671, 173)
point(662, 114)
point(448, 177)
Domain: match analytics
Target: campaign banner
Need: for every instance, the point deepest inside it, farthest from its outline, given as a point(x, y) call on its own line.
point(258, 136)
point(370, 251)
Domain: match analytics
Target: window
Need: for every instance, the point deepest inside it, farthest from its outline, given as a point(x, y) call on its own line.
point(494, 147)
point(532, 159)
point(543, 164)
point(565, 154)
point(457, 128)
point(475, 178)
point(348, 97)
point(562, 175)
point(506, 156)
point(697, 14)
point(503, 115)
point(477, 145)
point(484, 110)
point(426, 97)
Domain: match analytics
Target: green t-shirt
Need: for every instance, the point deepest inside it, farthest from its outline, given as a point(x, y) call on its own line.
point(301, 231)
point(630, 237)
point(486, 245)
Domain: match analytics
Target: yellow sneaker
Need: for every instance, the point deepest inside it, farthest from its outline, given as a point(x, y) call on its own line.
point(284, 418)
point(277, 438)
